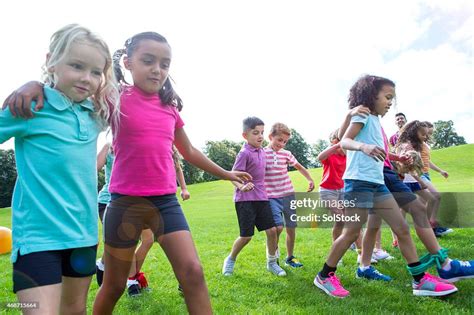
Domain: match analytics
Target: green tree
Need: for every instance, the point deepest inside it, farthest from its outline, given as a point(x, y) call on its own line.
point(7, 177)
point(445, 135)
point(299, 148)
point(222, 153)
point(317, 148)
point(192, 174)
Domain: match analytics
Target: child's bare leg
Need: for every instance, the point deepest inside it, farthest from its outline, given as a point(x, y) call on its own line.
point(148, 239)
point(48, 298)
point(368, 241)
point(271, 241)
point(74, 295)
point(433, 207)
point(290, 240)
point(118, 262)
point(388, 211)
point(349, 234)
point(238, 245)
point(181, 252)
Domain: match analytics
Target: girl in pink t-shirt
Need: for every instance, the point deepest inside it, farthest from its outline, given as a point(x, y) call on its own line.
point(143, 181)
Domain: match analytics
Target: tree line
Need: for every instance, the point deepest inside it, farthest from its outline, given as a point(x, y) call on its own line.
point(224, 153)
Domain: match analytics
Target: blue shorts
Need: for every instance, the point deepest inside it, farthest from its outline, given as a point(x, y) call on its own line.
point(401, 192)
point(426, 177)
point(46, 268)
point(363, 194)
point(126, 217)
point(414, 186)
point(282, 212)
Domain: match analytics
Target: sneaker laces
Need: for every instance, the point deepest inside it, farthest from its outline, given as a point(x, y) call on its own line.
point(229, 265)
point(465, 263)
point(333, 279)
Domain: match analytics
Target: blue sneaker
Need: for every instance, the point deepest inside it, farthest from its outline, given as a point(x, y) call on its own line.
point(372, 274)
point(292, 261)
point(459, 270)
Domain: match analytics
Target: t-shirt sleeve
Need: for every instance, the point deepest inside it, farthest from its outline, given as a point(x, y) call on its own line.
point(359, 119)
point(291, 160)
point(11, 126)
point(240, 162)
point(179, 121)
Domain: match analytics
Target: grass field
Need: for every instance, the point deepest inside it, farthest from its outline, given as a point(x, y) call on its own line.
point(253, 290)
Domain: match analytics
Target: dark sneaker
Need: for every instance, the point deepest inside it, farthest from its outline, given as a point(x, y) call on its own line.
point(372, 274)
point(133, 290)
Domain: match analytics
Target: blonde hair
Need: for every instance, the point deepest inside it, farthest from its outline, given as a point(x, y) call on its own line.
point(107, 93)
point(334, 136)
point(279, 128)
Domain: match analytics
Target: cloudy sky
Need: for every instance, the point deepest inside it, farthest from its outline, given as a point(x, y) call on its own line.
point(287, 61)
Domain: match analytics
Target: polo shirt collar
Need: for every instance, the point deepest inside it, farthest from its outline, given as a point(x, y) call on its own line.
point(60, 102)
point(251, 148)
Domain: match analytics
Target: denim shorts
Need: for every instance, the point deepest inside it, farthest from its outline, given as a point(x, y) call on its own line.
point(126, 217)
point(363, 194)
point(282, 212)
point(426, 177)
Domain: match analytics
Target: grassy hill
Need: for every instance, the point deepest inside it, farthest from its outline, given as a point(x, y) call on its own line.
point(211, 216)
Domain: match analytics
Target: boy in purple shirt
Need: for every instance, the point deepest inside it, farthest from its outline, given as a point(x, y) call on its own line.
point(251, 200)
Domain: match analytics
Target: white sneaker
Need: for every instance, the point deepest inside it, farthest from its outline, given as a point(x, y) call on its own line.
point(372, 260)
point(274, 268)
point(228, 267)
point(380, 254)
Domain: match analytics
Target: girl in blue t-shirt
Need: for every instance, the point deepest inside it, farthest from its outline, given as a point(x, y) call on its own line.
point(54, 209)
point(364, 190)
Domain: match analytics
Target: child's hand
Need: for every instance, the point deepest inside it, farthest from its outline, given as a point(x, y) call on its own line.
point(247, 187)
point(377, 153)
point(185, 194)
point(405, 159)
point(444, 174)
point(360, 110)
point(20, 100)
point(238, 176)
point(311, 186)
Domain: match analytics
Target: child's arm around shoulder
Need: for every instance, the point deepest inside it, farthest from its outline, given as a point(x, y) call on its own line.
point(326, 153)
point(19, 100)
point(102, 156)
point(198, 159)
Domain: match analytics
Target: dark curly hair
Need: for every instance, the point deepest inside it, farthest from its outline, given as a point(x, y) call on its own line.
point(409, 134)
point(366, 89)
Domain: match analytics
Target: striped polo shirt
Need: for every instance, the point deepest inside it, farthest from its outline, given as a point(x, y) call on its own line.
point(277, 181)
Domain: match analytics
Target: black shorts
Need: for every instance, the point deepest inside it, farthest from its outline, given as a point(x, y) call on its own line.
point(254, 214)
point(400, 191)
point(127, 216)
point(48, 267)
point(102, 207)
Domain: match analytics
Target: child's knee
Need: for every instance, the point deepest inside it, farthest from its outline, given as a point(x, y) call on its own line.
point(193, 273)
point(73, 306)
point(245, 239)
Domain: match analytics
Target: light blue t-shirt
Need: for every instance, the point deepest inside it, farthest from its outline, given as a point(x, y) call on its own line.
point(104, 194)
point(55, 197)
point(359, 165)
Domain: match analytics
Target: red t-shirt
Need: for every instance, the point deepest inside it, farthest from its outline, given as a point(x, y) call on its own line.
point(333, 169)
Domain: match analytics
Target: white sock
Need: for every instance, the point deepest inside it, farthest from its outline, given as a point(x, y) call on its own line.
point(363, 268)
point(100, 264)
point(271, 258)
point(446, 265)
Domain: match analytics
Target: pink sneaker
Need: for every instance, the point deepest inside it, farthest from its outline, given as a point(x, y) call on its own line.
point(331, 286)
point(432, 286)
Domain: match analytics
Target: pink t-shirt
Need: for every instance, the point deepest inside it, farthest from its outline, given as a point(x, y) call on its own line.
point(277, 180)
point(143, 145)
point(386, 163)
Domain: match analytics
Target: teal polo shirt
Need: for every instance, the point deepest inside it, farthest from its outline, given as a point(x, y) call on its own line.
point(55, 196)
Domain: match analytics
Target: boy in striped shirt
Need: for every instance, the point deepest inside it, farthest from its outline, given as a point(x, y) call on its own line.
point(280, 189)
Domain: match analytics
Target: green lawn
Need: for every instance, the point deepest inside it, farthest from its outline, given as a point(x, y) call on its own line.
point(252, 289)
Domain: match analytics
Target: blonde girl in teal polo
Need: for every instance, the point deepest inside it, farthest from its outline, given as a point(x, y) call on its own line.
point(54, 208)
